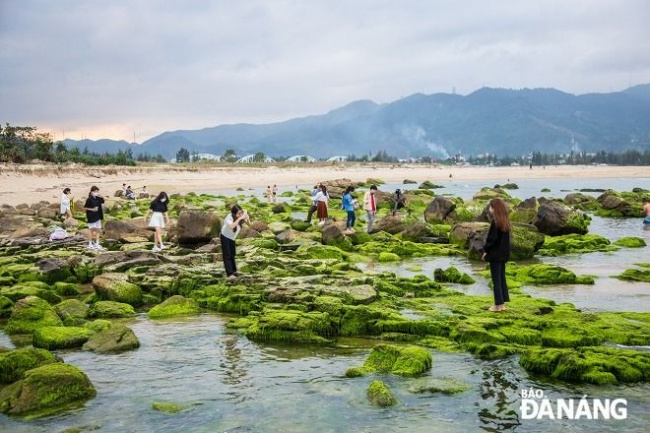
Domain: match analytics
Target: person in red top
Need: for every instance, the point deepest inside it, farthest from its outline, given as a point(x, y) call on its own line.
point(370, 205)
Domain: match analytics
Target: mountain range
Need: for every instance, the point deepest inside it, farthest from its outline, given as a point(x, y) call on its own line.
point(496, 121)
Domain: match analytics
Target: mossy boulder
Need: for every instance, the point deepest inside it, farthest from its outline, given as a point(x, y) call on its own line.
point(631, 242)
point(525, 241)
point(72, 311)
point(111, 310)
point(60, 337)
point(452, 275)
point(117, 338)
point(290, 326)
point(597, 365)
point(46, 390)
point(115, 287)
point(439, 209)
point(545, 274)
point(400, 360)
point(6, 306)
point(15, 363)
point(487, 194)
point(300, 226)
point(169, 408)
point(574, 243)
point(175, 306)
point(23, 290)
point(30, 314)
point(388, 257)
point(442, 386)
point(379, 394)
point(642, 275)
point(66, 289)
point(427, 184)
point(194, 226)
point(555, 219)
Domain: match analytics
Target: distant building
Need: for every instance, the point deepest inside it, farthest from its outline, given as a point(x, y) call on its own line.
point(251, 158)
point(301, 158)
point(339, 158)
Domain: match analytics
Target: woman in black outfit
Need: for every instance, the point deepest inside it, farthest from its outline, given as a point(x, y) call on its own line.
point(158, 211)
point(497, 251)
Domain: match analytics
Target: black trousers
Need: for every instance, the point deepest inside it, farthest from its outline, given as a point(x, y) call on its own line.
point(312, 209)
point(228, 253)
point(498, 273)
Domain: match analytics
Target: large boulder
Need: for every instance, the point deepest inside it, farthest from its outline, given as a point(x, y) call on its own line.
point(14, 363)
point(525, 211)
point(124, 230)
point(60, 337)
point(556, 219)
point(460, 234)
point(115, 287)
point(177, 305)
point(389, 224)
point(111, 310)
point(439, 209)
point(286, 236)
point(53, 270)
point(196, 226)
point(46, 390)
point(525, 239)
point(30, 314)
point(615, 206)
point(72, 311)
point(117, 338)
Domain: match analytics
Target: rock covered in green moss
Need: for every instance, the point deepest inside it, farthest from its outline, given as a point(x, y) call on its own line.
point(61, 337)
point(66, 289)
point(546, 274)
point(15, 363)
point(30, 314)
point(166, 407)
point(487, 194)
point(388, 257)
point(47, 390)
point(452, 275)
point(72, 311)
point(574, 243)
point(439, 209)
point(23, 290)
point(117, 338)
point(111, 310)
point(290, 326)
point(630, 242)
point(642, 275)
point(380, 395)
point(400, 360)
point(115, 287)
point(6, 306)
point(175, 306)
point(556, 219)
point(597, 365)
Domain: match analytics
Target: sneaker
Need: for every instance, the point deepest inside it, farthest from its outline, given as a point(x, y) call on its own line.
point(232, 277)
point(92, 247)
point(162, 247)
point(99, 247)
point(156, 249)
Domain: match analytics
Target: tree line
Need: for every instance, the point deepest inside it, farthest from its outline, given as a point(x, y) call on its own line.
point(22, 144)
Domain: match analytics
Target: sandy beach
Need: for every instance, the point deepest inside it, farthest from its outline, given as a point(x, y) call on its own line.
point(32, 183)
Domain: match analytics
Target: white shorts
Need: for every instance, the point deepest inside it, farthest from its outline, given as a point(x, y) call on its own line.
point(95, 225)
point(157, 220)
point(64, 209)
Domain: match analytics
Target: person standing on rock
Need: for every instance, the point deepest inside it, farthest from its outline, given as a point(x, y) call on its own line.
point(269, 194)
point(94, 215)
point(497, 251)
point(275, 192)
point(229, 231)
point(66, 201)
point(159, 218)
point(348, 204)
point(321, 204)
point(314, 204)
point(370, 205)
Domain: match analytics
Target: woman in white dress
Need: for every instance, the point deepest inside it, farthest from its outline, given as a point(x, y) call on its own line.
point(159, 218)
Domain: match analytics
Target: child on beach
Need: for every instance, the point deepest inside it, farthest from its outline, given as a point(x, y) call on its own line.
point(159, 218)
point(229, 231)
point(94, 215)
point(497, 251)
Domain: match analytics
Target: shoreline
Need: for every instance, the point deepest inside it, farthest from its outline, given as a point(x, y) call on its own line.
point(33, 183)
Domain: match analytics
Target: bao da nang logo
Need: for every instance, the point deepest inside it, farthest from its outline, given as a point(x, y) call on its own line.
point(535, 405)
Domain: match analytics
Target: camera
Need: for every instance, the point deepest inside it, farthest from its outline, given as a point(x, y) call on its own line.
point(398, 192)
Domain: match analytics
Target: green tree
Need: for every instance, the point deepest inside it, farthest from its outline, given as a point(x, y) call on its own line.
point(259, 157)
point(183, 155)
point(229, 156)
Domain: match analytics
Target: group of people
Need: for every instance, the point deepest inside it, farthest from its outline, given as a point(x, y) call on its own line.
point(128, 192)
point(271, 193)
point(349, 203)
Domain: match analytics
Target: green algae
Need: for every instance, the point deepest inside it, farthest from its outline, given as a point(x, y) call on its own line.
point(388, 257)
point(452, 275)
point(379, 394)
point(175, 306)
point(14, 363)
point(642, 275)
point(574, 243)
point(400, 360)
point(111, 309)
point(30, 314)
point(166, 407)
point(630, 242)
point(60, 337)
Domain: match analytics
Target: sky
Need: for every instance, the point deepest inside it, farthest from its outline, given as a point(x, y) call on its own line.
point(125, 69)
